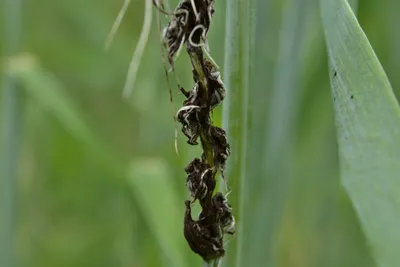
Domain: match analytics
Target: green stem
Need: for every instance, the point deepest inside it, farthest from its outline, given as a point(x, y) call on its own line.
point(10, 133)
point(236, 77)
point(139, 50)
point(212, 263)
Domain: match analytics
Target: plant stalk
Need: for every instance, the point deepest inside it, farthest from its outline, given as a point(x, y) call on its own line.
point(198, 65)
point(235, 112)
point(212, 263)
point(10, 134)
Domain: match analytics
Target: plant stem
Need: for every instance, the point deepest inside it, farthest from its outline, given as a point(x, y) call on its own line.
point(198, 65)
point(282, 108)
point(212, 263)
point(236, 77)
point(116, 24)
point(139, 50)
point(10, 133)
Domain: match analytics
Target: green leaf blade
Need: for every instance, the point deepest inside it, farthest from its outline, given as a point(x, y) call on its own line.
point(151, 185)
point(237, 67)
point(368, 128)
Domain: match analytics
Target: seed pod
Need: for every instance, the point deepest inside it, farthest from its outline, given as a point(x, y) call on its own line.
point(199, 238)
point(189, 118)
point(216, 88)
point(226, 219)
point(217, 95)
point(220, 146)
point(192, 96)
point(218, 217)
point(174, 36)
point(198, 178)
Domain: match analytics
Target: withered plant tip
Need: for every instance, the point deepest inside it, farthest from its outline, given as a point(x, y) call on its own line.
point(188, 25)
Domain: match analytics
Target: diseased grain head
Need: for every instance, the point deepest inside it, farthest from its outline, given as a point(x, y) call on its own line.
point(189, 24)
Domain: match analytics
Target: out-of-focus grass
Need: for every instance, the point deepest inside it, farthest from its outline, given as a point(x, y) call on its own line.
point(151, 185)
point(235, 107)
point(75, 204)
point(281, 107)
point(10, 141)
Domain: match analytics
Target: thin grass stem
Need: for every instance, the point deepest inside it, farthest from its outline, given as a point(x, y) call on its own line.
point(236, 76)
point(139, 50)
point(212, 263)
point(116, 24)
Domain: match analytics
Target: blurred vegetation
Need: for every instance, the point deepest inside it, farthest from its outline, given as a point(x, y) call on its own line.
point(99, 183)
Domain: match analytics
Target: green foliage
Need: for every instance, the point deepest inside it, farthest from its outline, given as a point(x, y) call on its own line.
point(9, 134)
point(368, 126)
point(99, 183)
point(150, 178)
point(284, 100)
point(235, 106)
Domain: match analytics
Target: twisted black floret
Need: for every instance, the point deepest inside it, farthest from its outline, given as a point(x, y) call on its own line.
point(189, 26)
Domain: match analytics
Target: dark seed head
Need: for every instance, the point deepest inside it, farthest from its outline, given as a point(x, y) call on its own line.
point(199, 238)
point(220, 146)
point(188, 116)
point(198, 179)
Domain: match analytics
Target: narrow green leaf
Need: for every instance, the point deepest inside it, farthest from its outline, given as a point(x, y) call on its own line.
point(368, 130)
point(285, 97)
point(263, 59)
point(236, 78)
point(154, 191)
point(10, 135)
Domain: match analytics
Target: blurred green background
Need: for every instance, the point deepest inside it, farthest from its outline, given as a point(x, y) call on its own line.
point(98, 181)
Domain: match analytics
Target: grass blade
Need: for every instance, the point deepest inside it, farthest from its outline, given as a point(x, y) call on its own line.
point(10, 135)
point(280, 124)
point(139, 50)
point(236, 78)
point(151, 185)
point(117, 23)
point(368, 129)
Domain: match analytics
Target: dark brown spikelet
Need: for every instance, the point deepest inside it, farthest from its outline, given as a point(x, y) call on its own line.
point(226, 219)
point(188, 116)
point(198, 175)
point(200, 239)
point(220, 146)
point(216, 88)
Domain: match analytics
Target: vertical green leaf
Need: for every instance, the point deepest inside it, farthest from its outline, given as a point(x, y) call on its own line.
point(368, 129)
point(283, 103)
point(263, 55)
point(236, 78)
point(151, 185)
point(10, 135)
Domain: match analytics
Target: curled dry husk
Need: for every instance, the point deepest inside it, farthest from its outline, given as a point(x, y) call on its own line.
point(189, 24)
